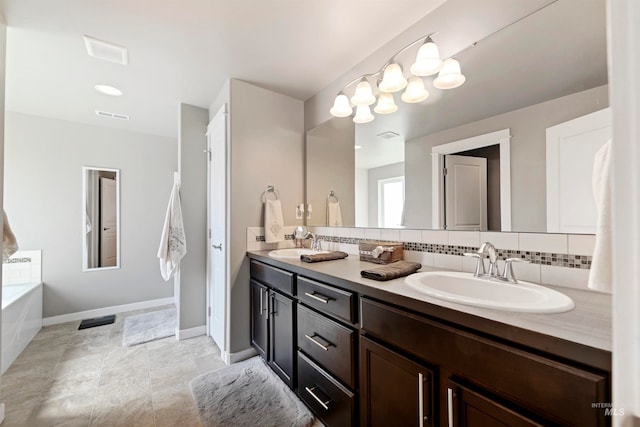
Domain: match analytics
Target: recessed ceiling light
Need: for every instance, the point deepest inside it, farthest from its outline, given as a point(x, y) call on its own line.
point(357, 147)
point(108, 51)
point(108, 90)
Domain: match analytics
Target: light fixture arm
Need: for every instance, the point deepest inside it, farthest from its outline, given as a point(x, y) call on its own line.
point(389, 61)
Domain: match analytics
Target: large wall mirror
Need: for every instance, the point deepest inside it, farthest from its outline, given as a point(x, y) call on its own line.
point(543, 69)
point(100, 218)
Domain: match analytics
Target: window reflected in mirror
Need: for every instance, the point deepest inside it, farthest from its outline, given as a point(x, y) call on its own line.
point(101, 218)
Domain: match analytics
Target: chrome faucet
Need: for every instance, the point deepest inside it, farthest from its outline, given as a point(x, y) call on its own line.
point(489, 249)
point(494, 272)
point(301, 232)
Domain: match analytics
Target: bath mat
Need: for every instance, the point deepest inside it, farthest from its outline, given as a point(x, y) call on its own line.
point(247, 394)
point(150, 326)
point(97, 321)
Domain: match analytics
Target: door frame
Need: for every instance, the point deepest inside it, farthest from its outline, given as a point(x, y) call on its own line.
point(224, 346)
point(501, 138)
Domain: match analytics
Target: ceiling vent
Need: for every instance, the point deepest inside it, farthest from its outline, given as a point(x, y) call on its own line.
point(107, 51)
point(388, 135)
point(112, 115)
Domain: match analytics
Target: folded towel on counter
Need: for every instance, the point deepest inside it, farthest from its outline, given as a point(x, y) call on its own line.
point(391, 271)
point(334, 214)
point(600, 272)
point(273, 221)
point(329, 256)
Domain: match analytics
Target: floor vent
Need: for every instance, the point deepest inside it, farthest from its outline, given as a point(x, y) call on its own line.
point(97, 321)
point(112, 115)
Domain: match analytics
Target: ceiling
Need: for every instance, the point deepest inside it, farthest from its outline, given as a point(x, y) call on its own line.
point(556, 51)
point(184, 51)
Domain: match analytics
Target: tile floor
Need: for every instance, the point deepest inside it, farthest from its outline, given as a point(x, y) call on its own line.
point(67, 377)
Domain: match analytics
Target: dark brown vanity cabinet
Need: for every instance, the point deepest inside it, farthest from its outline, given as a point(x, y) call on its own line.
point(367, 358)
point(479, 381)
point(327, 342)
point(395, 390)
point(273, 318)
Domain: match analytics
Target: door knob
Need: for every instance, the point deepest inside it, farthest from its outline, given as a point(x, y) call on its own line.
point(219, 247)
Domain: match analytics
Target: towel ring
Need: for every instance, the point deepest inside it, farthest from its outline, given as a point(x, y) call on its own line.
point(270, 189)
point(332, 195)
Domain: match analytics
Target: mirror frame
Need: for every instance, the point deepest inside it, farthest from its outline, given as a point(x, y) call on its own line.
point(85, 198)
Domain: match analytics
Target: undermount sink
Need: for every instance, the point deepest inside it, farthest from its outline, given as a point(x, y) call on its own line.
point(294, 253)
point(463, 288)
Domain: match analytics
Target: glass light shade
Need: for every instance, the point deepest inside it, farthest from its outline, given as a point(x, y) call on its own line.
point(450, 76)
point(427, 60)
point(386, 104)
point(363, 94)
point(341, 106)
point(363, 114)
point(393, 80)
point(415, 91)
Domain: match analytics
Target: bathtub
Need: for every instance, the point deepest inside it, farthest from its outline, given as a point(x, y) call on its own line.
point(21, 319)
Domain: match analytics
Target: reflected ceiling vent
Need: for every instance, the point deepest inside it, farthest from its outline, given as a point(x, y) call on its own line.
point(112, 115)
point(107, 51)
point(388, 135)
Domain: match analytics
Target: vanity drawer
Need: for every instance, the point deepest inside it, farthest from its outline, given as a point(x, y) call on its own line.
point(327, 298)
point(330, 401)
point(328, 343)
point(559, 392)
point(272, 277)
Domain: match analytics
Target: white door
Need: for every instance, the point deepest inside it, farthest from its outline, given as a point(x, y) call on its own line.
point(465, 193)
point(218, 244)
point(108, 223)
point(571, 148)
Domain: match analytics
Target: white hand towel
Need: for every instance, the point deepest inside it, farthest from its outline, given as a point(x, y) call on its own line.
point(273, 221)
point(600, 273)
point(9, 243)
point(173, 244)
point(334, 215)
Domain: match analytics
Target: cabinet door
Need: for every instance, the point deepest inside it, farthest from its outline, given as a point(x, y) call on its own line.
point(281, 345)
point(259, 320)
point(471, 408)
point(395, 391)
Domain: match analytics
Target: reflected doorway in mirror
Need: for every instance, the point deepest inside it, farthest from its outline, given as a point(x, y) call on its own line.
point(101, 218)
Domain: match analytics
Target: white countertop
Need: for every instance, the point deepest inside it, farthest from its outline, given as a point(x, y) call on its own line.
point(589, 323)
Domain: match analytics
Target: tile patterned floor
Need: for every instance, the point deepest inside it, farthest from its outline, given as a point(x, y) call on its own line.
point(67, 377)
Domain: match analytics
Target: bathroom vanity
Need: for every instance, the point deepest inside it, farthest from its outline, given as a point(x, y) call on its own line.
point(361, 352)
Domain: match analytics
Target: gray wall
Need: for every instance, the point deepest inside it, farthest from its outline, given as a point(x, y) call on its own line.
point(330, 166)
point(266, 141)
point(192, 142)
point(43, 198)
point(3, 47)
point(528, 147)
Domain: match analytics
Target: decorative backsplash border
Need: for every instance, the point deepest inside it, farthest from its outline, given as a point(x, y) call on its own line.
point(543, 258)
point(535, 257)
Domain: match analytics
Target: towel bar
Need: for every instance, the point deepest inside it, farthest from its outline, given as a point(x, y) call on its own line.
point(270, 189)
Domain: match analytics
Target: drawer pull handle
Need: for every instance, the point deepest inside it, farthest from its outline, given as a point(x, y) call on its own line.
point(318, 297)
point(421, 399)
point(313, 339)
point(450, 406)
point(320, 401)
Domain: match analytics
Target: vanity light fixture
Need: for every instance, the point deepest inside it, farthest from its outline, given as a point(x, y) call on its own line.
point(390, 78)
point(108, 90)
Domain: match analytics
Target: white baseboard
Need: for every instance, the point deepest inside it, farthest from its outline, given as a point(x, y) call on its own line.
point(184, 334)
point(89, 314)
point(231, 358)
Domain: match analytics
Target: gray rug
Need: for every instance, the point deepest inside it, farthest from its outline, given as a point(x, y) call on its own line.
point(247, 394)
point(150, 326)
